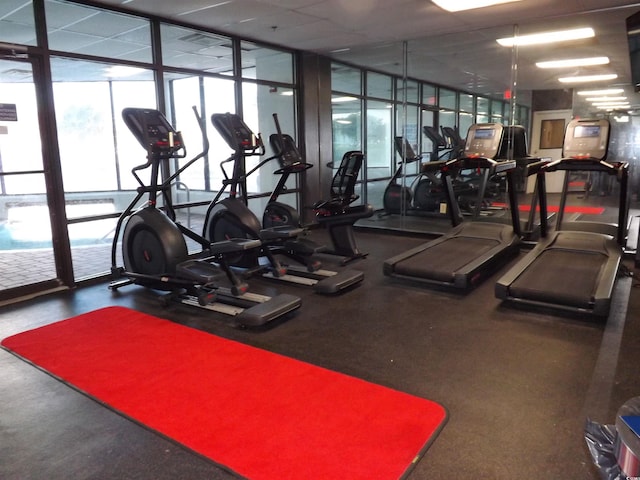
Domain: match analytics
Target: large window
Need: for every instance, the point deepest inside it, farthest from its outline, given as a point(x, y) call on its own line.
point(209, 95)
point(17, 25)
point(347, 125)
point(94, 142)
point(379, 143)
point(97, 151)
point(92, 31)
point(260, 103)
point(379, 85)
point(197, 50)
point(266, 63)
point(482, 110)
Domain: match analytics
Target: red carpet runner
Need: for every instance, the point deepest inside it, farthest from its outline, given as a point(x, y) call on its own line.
point(262, 415)
point(555, 208)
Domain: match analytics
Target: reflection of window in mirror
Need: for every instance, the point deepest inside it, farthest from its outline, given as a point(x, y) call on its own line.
point(552, 133)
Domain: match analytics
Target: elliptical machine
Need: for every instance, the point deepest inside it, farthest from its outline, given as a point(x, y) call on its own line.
point(291, 162)
point(426, 193)
point(231, 217)
point(154, 248)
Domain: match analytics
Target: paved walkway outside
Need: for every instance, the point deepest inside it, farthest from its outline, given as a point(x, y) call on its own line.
point(23, 267)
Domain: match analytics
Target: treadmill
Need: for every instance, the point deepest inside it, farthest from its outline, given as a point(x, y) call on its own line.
point(471, 250)
point(575, 267)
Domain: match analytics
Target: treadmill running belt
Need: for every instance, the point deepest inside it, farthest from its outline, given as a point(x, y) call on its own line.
point(540, 282)
point(443, 260)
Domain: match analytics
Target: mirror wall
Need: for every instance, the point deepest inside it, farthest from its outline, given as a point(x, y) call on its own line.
point(402, 111)
point(453, 81)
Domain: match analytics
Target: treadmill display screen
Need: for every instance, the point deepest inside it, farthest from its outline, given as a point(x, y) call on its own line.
point(484, 133)
point(592, 131)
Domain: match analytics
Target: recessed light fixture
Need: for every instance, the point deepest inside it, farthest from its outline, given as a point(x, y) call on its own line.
point(608, 91)
point(548, 37)
point(574, 62)
point(460, 5)
point(588, 78)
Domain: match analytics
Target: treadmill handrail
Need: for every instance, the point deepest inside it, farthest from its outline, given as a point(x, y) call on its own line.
point(535, 167)
point(433, 166)
point(619, 169)
point(586, 164)
point(494, 166)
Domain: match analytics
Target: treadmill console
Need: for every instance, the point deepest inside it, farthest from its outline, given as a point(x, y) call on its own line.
point(586, 139)
point(483, 140)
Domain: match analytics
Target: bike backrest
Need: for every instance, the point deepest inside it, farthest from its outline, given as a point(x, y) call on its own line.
point(344, 181)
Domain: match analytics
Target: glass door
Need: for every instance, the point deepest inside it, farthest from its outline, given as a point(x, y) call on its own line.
point(27, 261)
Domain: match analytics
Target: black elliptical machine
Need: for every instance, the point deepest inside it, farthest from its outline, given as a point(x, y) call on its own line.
point(291, 163)
point(426, 194)
point(154, 248)
point(231, 218)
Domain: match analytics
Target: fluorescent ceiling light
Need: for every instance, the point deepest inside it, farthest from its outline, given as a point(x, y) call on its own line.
point(605, 99)
point(122, 71)
point(460, 5)
point(610, 108)
point(608, 91)
point(574, 62)
point(610, 104)
point(343, 99)
point(588, 78)
point(548, 37)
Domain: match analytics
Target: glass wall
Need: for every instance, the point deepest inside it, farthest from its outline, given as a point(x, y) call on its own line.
point(25, 224)
point(102, 62)
point(399, 107)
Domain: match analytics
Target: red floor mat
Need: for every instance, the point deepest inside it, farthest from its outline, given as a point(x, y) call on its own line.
point(262, 415)
point(555, 208)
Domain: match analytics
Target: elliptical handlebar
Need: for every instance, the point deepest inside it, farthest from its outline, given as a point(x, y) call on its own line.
point(205, 147)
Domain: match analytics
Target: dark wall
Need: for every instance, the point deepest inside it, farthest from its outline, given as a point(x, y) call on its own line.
point(542, 100)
